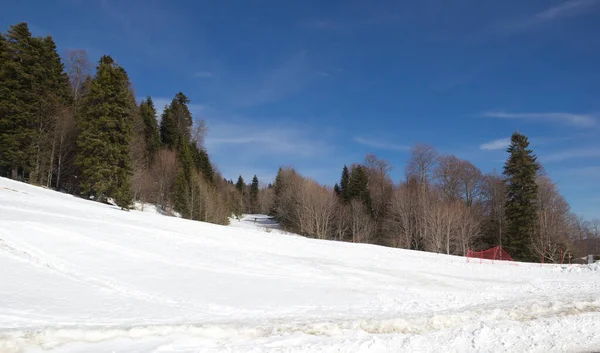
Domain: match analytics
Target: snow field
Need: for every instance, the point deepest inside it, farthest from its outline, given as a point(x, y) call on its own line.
point(78, 276)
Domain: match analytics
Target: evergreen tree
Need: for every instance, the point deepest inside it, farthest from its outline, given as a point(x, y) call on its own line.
point(19, 69)
point(344, 184)
point(151, 132)
point(53, 96)
point(183, 184)
point(520, 171)
point(168, 128)
point(358, 186)
point(240, 185)
point(105, 125)
point(254, 194)
point(202, 163)
point(337, 190)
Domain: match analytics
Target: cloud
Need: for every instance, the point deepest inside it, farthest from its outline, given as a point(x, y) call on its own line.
point(577, 120)
point(570, 8)
point(264, 140)
point(566, 9)
point(572, 154)
point(499, 144)
point(289, 77)
point(203, 74)
point(382, 145)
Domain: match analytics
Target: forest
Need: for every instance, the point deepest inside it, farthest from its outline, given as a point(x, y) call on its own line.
point(75, 126)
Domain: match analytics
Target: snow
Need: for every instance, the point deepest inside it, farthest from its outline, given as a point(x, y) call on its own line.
point(79, 276)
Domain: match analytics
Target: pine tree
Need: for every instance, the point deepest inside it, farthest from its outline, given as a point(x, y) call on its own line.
point(520, 171)
point(151, 132)
point(344, 184)
point(53, 96)
point(19, 69)
point(240, 185)
point(202, 163)
point(105, 125)
point(358, 186)
point(254, 194)
point(168, 128)
point(337, 190)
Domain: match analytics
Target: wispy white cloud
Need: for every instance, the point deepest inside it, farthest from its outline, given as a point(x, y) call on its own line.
point(203, 74)
point(570, 154)
point(290, 76)
point(382, 145)
point(565, 9)
point(499, 144)
point(569, 8)
point(265, 139)
point(577, 120)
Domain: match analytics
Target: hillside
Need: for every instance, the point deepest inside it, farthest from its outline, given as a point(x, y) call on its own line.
point(79, 276)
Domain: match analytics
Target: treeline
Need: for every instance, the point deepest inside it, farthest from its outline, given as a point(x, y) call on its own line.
point(67, 128)
point(444, 205)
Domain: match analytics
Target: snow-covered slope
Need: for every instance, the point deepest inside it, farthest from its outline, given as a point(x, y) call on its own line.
point(78, 276)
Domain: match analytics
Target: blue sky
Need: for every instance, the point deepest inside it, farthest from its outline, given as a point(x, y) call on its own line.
point(318, 84)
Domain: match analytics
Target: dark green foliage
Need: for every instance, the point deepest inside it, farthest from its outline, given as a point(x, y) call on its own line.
point(202, 163)
point(33, 94)
point(151, 133)
point(358, 186)
point(240, 185)
point(344, 184)
point(254, 195)
point(20, 67)
point(337, 190)
point(182, 190)
point(168, 129)
point(176, 122)
point(520, 171)
point(105, 125)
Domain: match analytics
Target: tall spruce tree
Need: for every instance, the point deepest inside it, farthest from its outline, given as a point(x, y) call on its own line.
point(105, 125)
point(254, 195)
point(520, 171)
point(344, 184)
point(358, 186)
point(151, 132)
point(240, 185)
point(53, 96)
point(202, 163)
point(19, 68)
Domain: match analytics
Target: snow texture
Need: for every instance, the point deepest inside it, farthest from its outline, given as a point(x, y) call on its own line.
point(79, 276)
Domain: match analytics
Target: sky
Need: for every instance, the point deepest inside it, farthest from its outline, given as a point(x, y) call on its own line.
point(318, 84)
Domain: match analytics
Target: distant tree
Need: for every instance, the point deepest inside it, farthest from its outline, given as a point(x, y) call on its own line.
point(151, 132)
point(520, 171)
point(422, 163)
point(240, 185)
point(106, 131)
point(254, 195)
point(344, 184)
point(358, 186)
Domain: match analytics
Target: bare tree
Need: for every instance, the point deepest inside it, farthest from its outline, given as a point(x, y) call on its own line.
point(470, 182)
point(552, 223)
point(493, 192)
point(78, 68)
point(422, 163)
point(361, 225)
point(164, 171)
point(448, 176)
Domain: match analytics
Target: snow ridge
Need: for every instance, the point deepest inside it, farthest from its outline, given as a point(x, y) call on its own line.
point(52, 337)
